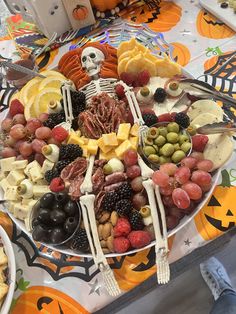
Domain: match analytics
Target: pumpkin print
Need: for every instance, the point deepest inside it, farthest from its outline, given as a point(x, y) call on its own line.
point(41, 299)
point(208, 26)
point(104, 5)
point(181, 53)
point(161, 19)
point(80, 12)
point(215, 62)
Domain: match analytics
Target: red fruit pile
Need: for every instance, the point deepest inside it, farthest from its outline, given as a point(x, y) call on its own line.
point(131, 79)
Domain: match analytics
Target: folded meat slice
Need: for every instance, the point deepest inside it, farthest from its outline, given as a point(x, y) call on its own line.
point(77, 168)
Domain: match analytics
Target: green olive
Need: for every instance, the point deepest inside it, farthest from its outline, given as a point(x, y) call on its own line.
point(192, 130)
point(160, 140)
point(156, 147)
point(164, 160)
point(160, 151)
point(145, 211)
point(177, 146)
point(173, 127)
point(178, 156)
point(107, 169)
point(186, 146)
point(168, 149)
point(183, 138)
point(153, 132)
point(172, 137)
point(148, 141)
point(153, 158)
point(163, 131)
point(148, 150)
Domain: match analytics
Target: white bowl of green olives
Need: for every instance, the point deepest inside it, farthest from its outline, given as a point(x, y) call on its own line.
point(166, 142)
point(55, 218)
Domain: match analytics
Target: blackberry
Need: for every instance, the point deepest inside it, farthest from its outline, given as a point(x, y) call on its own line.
point(109, 201)
point(78, 100)
point(51, 174)
point(62, 164)
point(54, 119)
point(70, 151)
point(80, 241)
point(124, 191)
point(124, 207)
point(136, 220)
point(150, 119)
point(75, 124)
point(160, 95)
point(182, 119)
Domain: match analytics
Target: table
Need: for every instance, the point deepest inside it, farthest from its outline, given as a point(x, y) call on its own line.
point(49, 280)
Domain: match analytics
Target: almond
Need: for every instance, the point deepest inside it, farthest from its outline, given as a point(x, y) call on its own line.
point(105, 217)
point(106, 231)
point(103, 243)
point(105, 250)
point(114, 218)
point(109, 243)
point(100, 230)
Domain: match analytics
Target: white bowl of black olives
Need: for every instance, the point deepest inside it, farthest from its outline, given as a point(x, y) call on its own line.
point(55, 218)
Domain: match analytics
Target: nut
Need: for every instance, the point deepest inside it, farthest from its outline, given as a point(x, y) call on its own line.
point(103, 243)
point(114, 218)
point(106, 231)
point(105, 217)
point(100, 230)
point(105, 250)
point(110, 243)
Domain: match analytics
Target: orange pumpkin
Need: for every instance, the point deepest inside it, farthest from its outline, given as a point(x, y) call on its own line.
point(208, 26)
point(104, 5)
point(41, 299)
point(213, 65)
point(80, 12)
point(162, 19)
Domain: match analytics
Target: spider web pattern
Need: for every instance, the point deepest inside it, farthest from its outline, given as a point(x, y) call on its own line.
point(6, 91)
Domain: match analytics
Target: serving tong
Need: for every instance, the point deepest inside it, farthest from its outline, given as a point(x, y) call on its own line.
point(87, 204)
point(19, 68)
point(217, 127)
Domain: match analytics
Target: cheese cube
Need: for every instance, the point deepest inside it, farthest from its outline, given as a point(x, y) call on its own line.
point(4, 184)
point(6, 163)
point(42, 182)
point(11, 206)
point(21, 211)
point(134, 141)
point(123, 131)
point(40, 190)
point(11, 193)
point(85, 151)
point(75, 139)
point(110, 139)
point(47, 165)
point(35, 172)
point(108, 155)
point(15, 177)
point(92, 147)
point(28, 225)
point(29, 166)
point(134, 130)
point(26, 201)
point(105, 149)
point(85, 139)
point(122, 148)
point(2, 175)
point(19, 164)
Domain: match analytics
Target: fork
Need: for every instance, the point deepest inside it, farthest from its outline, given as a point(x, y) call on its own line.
point(161, 246)
point(87, 205)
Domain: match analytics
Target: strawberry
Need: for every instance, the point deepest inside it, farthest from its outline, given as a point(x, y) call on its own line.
point(119, 89)
point(143, 78)
point(59, 134)
point(139, 239)
point(121, 245)
point(128, 78)
point(57, 185)
point(16, 107)
point(122, 227)
point(199, 142)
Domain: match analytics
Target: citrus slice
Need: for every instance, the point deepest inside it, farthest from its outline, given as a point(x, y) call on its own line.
point(29, 90)
point(139, 63)
point(44, 98)
point(51, 81)
point(29, 109)
point(52, 73)
point(122, 65)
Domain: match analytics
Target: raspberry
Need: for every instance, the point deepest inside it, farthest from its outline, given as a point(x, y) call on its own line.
point(120, 91)
point(122, 227)
point(59, 134)
point(121, 245)
point(57, 185)
point(199, 142)
point(128, 78)
point(143, 78)
point(139, 239)
point(16, 107)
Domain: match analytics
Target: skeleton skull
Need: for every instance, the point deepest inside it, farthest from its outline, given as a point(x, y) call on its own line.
point(91, 60)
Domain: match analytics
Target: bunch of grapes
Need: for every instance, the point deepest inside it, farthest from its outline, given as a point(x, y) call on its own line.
point(183, 187)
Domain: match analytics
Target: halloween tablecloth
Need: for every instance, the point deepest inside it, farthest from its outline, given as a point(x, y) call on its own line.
point(63, 284)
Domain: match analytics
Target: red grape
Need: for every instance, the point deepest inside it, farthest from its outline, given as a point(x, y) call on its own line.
point(175, 211)
point(130, 157)
point(19, 118)
point(43, 117)
point(168, 168)
point(194, 191)
point(6, 124)
point(197, 155)
point(171, 222)
point(39, 158)
point(167, 201)
point(25, 149)
point(18, 132)
point(205, 165)
point(201, 177)
point(166, 190)
point(160, 178)
point(51, 140)
point(182, 175)
point(137, 184)
point(38, 145)
point(189, 162)
point(17, 144)
point(189, 209)
point(139, 200)
point(206, 188)
point(43, 133)
point(181, 198)
point(133, 171)
point(9, 141)
point(8, 152)
point(32, 125)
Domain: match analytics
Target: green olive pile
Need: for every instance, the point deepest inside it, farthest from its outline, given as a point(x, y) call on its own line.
point(166, 143)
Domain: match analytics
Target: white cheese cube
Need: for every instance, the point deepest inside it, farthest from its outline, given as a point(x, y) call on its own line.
point(29, 166)
point(42, 182)
point(40, 190)
point(11, 206)
point(2, 175)
point(21, 211)
point(47, 165)
point(15, 177)
point(28, 224)
point(11, 193)
point(4, 184)
point(19, 164)
point(36, 174)
point(26, 201)
point(6, 163)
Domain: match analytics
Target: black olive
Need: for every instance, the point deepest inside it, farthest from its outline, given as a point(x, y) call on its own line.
point(47, 200)
point(61, 197)
point(44, 215)
point(57, 205)
point(71, 208)
point(35, 222)
point(57, 216)
point(40, 233)
point(70, 225)
point(57, 235)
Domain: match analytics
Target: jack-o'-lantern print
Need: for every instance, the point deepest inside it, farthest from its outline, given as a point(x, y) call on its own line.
point(181, 53)
point(161, 19)
point(103, 5)
point(214, 63)
point(42, 299)
point(208, 26)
